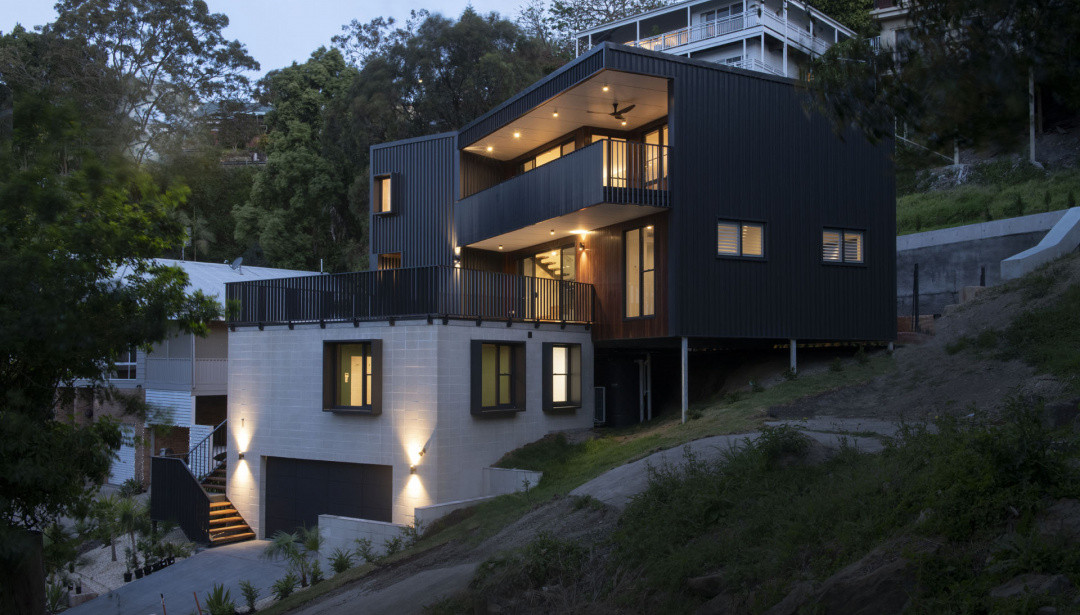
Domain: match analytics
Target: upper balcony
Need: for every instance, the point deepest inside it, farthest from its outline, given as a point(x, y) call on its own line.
point(591, 155)
point(599, 185)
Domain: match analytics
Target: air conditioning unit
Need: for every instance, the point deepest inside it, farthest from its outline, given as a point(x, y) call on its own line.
point(599, 405)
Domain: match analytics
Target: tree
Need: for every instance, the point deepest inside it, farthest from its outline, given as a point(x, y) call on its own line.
point(168, 55)
point(77, 286)
point(297, 211)
point(963, 75)
point(565, 17)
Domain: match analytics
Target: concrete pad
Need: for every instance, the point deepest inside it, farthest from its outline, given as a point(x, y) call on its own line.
point(410, 595)
point(227, 565)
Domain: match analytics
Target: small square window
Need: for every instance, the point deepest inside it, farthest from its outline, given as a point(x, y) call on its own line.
point(740, 239)
point(352, 377)
point(498, 378)
point(841, 246)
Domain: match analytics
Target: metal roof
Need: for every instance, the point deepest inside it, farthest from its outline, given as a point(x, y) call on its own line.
point(211, 278)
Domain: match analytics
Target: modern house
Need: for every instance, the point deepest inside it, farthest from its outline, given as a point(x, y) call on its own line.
point(777, 37)
point(553, 262)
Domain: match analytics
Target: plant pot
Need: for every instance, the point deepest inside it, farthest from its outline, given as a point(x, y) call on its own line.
point(147, 570)
point(138, 573)
point(127, 577)
point(78, 588)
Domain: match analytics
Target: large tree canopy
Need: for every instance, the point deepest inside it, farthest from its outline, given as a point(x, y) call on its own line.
point(77, 287)
point(962, 74)
point(168, 56)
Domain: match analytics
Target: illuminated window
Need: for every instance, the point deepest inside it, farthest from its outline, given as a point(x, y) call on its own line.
point(640, 257)
point(353, 381)
point(740, 239)
point(562, 376)
point(547, 156)
point(390, 261)
point(841, 246)
point(498, 377)
point(382, 199)
point(124, 366)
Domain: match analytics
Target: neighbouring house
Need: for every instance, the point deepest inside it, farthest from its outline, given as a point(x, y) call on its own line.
point(183, 381)
point(549, 265)
point(778, 37)
point(892, 16)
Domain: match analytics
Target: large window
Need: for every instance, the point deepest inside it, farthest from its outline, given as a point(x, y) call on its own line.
point(125, 366)
point(745, 239)
point(841, 246)
point(547, 156)
point(498, 377)
point(556, 264)
point(562, 376)
point(640, 254)
point(353, 381)
point(656, 158)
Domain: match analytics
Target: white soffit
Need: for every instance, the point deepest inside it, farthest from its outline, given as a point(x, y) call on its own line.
point(540, 126)
point(587, 219)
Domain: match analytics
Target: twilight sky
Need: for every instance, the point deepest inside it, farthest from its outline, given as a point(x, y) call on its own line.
point(277, 32)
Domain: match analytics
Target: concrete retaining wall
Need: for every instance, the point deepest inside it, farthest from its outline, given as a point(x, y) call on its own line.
point(342, 532)
point(950, 259)
point(1061, 240)
point(500, 481)
point(426, 515)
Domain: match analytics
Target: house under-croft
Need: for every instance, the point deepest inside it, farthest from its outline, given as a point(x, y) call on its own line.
point(554, 262)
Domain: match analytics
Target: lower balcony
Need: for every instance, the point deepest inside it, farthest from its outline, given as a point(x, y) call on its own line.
point(604, 183)
point(418, 292)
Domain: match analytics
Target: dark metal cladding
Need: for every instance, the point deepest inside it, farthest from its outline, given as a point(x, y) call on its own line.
point(421, 229)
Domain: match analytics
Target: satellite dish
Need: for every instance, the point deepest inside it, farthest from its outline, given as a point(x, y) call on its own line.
point(236, 264)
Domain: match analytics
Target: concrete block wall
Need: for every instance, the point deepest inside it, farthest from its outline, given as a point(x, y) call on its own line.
point(342, 533)
point(275, 408)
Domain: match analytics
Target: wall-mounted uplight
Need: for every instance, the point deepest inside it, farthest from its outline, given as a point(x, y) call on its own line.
point(581, 245)
point(412, 469)
point(490, 149)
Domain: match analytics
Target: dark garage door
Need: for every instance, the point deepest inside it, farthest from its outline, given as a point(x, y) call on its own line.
point(299, 490)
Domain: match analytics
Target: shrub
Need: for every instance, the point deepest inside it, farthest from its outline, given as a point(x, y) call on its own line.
point(316, 571)
point(756, 387)
point(393, 545)
point(284, 586)
point(837, 365)
point(365, 550)
point(957, 344)
point(219, 602)
point(861, 356)
point(131, 487)
point(340, 561)
point(251, 594)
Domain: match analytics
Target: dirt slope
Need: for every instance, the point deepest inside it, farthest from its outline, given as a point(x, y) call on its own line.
point(929, 380)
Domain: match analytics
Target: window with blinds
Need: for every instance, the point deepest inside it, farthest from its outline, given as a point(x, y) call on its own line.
point(746, 239)
point(841, 246)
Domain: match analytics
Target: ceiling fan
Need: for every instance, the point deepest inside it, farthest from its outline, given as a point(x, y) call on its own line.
point(616, 112)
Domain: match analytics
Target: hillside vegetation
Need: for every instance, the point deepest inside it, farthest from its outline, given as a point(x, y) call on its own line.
point(992, 191)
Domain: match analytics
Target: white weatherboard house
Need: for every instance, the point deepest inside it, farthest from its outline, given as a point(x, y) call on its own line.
point(777, 37)
point(183, 379)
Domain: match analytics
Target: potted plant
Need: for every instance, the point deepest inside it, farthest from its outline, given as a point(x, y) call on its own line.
point(127, 575)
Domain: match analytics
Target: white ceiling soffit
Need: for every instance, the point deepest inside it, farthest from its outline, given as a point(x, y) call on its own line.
point(587, 219)
point(540, 126)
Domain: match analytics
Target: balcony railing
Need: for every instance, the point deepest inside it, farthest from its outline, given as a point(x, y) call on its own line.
point(607, 171)
point(436, 292)
point(729, 25)
point(759, 66)
point(211, 374)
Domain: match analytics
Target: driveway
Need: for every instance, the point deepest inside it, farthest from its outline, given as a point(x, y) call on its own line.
point(227, 565)
point(617, 486)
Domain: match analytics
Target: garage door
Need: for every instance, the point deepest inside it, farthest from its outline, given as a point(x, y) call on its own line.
point(299, 490)
point(123, 467)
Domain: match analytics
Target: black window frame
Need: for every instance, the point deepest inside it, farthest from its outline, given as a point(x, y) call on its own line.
point(331, 368)
point(376, 193)
point(641, 272)
point(843, 231)
point(518, 369)
point(741, 256)
point(573, 357)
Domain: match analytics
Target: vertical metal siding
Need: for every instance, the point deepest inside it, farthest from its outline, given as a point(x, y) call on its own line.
point(422, 227)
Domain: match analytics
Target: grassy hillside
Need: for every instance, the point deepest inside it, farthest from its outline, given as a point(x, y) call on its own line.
point(991, 194)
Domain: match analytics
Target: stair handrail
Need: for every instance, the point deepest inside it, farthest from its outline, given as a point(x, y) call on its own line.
point(201, 460)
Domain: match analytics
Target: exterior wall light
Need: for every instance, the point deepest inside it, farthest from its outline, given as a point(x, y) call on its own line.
point(517, 135)
point(581, 245)
point(490, 149)
point(500, 246)
point(240, 456)
point(555, 114)
point(412, 469)
point(606, 88)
